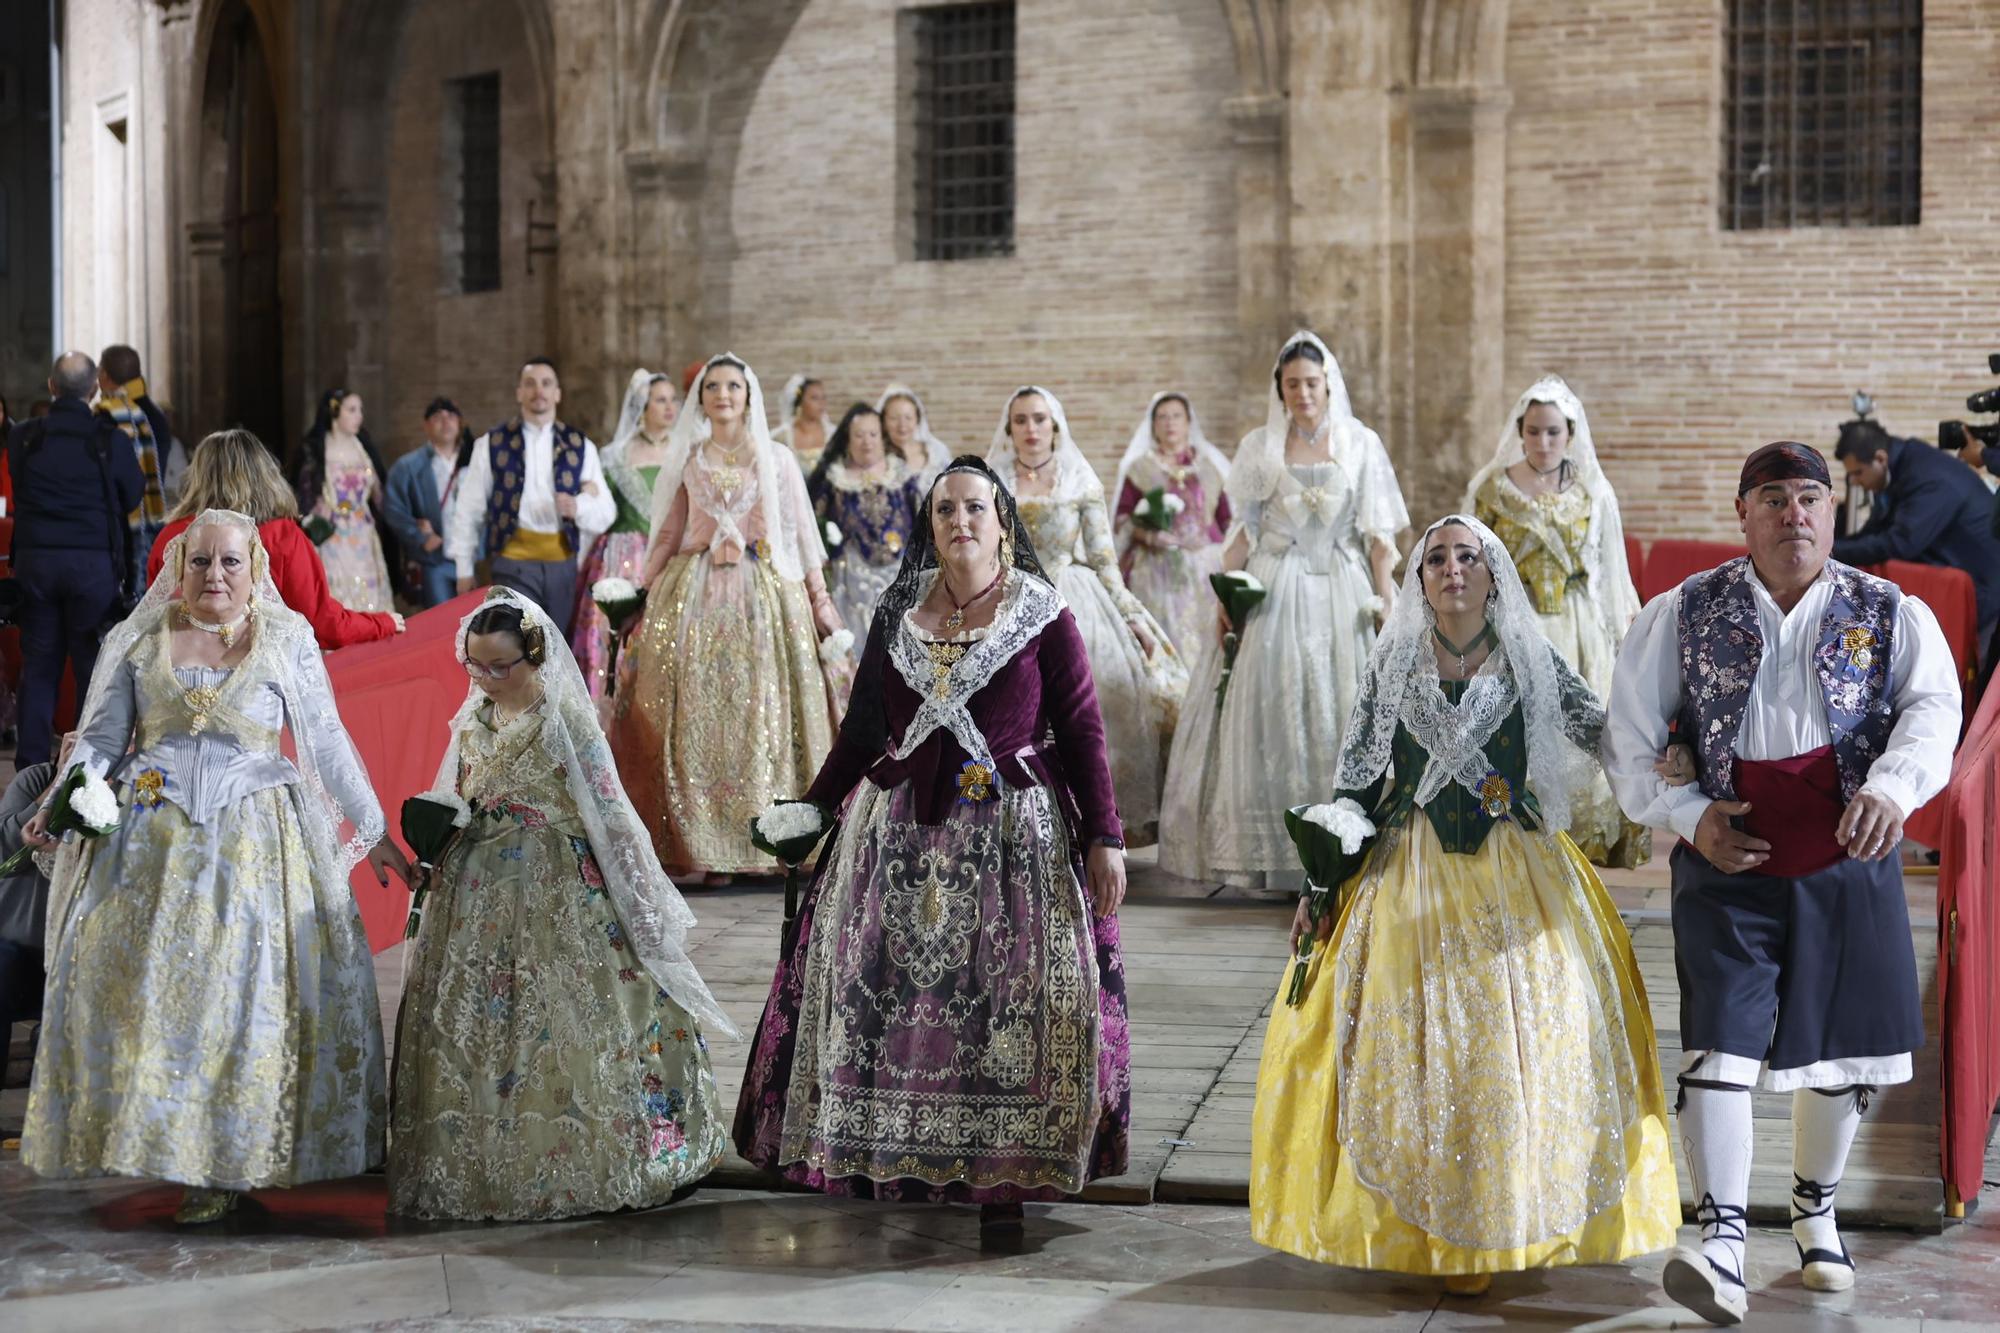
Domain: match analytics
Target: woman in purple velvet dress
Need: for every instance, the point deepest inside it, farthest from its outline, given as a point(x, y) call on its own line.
point(949, 1023)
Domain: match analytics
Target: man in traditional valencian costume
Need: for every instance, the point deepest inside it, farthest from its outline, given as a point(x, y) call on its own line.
point(1821, 705)
point(532, 484)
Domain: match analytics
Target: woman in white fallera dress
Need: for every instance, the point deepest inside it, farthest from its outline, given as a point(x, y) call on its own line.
point(1140, 679)
point(908, 426)
point(806, 427)
point(1316, 510)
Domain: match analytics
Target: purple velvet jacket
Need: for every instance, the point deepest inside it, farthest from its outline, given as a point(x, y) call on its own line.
point(1038, 712)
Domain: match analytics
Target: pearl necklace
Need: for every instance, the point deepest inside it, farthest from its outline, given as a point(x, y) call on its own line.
point(227, 633)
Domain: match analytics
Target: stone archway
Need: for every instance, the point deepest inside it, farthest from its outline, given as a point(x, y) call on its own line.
point(698, 67)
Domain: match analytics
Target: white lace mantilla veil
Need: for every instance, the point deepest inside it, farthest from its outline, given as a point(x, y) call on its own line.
point(795, 547)
point(1607, 574)
point(650, 909)
point(937, 450)
point(1075, 478)
point(284, 650)
point(1142, 442)
point(1401, 684)
point(631, 411)
point(788, 402)
point(1260, 458)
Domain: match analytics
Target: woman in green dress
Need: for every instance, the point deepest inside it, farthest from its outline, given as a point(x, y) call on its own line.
point(551, 1053)
point(631, 462)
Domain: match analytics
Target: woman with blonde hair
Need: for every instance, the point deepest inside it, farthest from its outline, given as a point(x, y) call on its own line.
point(232, 470)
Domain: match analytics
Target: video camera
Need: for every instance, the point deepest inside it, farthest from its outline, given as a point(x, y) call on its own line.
point(1952, 435)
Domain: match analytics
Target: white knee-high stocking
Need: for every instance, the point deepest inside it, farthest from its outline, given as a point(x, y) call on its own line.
point(1823, 1125)
point(1716, 1137)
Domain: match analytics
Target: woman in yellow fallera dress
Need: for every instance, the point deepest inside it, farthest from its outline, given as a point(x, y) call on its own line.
point(1468, 1084)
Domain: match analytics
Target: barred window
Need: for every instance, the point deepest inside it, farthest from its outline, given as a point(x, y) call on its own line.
point(964, 140)
point(476, 102)
point(1823, 114)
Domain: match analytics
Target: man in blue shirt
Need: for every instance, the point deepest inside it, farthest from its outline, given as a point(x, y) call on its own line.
point(1929, 508)
point(414, 499)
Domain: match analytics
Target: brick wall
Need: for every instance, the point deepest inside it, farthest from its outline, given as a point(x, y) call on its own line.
point(1691, 345)
point(1123, 281)
point(468, 346)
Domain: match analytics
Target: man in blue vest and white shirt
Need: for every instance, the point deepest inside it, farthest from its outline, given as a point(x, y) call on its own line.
point(1821, 706)
point(531, 485)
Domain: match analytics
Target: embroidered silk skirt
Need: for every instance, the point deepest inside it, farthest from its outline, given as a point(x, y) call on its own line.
point(539, 1071)
point(951, 1023)
point(211, 1015)
point(721, 709)
point(1172, 582)
point(615, 555)
point(1471, 1084)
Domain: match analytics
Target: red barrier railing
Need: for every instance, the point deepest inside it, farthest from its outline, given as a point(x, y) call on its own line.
point(1968, 969)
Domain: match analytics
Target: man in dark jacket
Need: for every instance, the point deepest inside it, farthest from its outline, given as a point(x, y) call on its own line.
point(1929, 508)
point(75, 481)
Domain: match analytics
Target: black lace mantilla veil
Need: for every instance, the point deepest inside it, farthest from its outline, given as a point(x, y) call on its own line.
point(865, 719)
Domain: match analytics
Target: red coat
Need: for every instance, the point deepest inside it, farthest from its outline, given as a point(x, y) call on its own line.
point(301, 580)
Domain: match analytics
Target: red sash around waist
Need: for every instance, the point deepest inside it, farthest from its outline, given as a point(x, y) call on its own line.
point(1795, 805)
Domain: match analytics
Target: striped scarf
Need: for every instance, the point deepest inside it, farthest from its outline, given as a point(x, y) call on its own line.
point(122, 407)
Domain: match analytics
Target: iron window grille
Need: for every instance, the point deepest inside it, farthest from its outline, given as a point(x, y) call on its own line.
point(964, 141)
point(478, 107)
point(1823, 119)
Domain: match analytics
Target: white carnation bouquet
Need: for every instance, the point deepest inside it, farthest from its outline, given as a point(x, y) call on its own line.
point(84, 805)
point(787, 831)
point(832, 533)
point(835, 647)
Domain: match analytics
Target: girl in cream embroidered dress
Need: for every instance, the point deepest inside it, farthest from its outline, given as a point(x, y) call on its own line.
point(211, 1012)
point(1470, 1084)
point(1569, 544)
point(1140, 679)
point(542, 1069)
point(723, 705)
point(1307, 532)
point(357, 574)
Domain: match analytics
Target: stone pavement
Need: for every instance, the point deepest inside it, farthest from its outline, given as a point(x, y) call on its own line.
point(1202, 969)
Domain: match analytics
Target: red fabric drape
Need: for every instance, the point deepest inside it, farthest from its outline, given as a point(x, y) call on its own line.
point(1968, 968)
point(396, 698)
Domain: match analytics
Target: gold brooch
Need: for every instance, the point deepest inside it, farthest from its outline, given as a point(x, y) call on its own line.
point(975, 781)
point(1859, 641)
point(1496, 795)
point(149, 788)
point(894, 541)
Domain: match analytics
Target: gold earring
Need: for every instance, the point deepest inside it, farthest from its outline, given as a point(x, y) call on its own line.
point(1007, 549)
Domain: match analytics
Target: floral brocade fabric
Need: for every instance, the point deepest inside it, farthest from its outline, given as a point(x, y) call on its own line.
point(211, 1016)
point(1139, 696)
point(539, 1070)
point(356, 573)
point(721, 708)
point(1471, 1084)
point(952, 1023)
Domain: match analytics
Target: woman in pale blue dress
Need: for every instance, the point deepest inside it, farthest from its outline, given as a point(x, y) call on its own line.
point(211, 1015)
point(1316, 509)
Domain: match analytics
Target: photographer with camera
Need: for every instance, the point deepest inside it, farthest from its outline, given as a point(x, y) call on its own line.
point(75, 480)
point(1928, 508)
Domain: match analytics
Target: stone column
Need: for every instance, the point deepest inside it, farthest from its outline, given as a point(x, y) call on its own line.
point(589, 206)
point(1263, 270)
point(1456, 290)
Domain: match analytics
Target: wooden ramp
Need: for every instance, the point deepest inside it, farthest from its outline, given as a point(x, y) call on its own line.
point(1201, 973)
point(1892, 1175)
